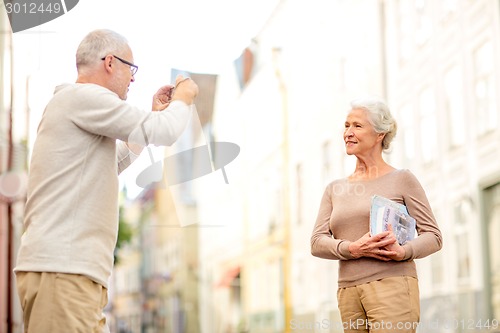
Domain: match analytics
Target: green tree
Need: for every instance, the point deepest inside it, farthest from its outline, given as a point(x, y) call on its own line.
point(125, 233)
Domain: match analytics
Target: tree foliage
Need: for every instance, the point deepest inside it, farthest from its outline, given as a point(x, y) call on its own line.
point(125, 234)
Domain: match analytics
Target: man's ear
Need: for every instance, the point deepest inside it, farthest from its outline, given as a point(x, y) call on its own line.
point(107, 64)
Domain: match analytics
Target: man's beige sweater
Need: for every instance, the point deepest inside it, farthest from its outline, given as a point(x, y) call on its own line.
point(343, 218)
point(71, 213)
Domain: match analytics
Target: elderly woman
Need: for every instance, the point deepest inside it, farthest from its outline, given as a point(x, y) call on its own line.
point(377, 285)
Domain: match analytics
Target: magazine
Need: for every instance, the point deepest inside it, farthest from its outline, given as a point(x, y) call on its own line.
point(384, 211)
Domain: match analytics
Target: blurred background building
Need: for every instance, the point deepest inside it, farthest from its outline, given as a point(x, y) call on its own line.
point(5, 148)
point(212, 257)
point(13, 167)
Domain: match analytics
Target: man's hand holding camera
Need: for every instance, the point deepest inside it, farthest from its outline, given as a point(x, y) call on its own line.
point(185, 90)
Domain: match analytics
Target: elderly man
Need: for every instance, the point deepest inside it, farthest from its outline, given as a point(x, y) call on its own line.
point(88, 135)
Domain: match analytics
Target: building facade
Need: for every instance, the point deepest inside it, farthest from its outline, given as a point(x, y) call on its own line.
point(5, 208)
point(13, 174)
point(288, 119)
point(436, 63)
point(284, 102)
point(155, 284)
point(443, 71)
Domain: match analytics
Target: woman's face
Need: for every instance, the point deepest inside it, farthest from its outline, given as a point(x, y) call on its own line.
point(360, 137)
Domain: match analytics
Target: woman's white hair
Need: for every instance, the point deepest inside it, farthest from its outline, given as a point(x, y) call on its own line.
point(379, 116)
point(96, 45)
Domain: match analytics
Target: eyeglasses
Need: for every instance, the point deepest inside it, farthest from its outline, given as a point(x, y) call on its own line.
point(133, 68)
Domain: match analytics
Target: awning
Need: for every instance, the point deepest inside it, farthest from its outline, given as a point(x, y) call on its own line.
point(228, 277)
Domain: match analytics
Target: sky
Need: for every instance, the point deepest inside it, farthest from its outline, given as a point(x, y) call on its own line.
point(193, 35)
point(199, 34)
point(202, 36)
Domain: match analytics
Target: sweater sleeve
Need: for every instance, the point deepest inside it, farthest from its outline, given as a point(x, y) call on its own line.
point(323, 243)
point(165, 127)
point(429, 238)
point(124, 156)
point(103, 113)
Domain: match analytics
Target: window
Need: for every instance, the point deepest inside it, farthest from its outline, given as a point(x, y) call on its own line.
point(424, 22)
point(428, 127)
point(462, 214)
point(462, 241)
point(437, 269)
point(454, 105)
point(405, 119)
point(491, 227)
point(484, 89)
point(437, 260)
point(405, 31)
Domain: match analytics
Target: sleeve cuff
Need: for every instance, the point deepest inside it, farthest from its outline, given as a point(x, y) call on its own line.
point(408, 251)
point(344, 249)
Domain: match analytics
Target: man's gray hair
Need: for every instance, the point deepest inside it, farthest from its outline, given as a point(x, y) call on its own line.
point(96, 45)
point(379, 117)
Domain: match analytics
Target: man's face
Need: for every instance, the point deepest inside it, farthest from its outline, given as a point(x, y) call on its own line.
point(122, 76)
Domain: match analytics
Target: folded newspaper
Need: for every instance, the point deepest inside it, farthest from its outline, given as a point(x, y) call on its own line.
point(384, 212)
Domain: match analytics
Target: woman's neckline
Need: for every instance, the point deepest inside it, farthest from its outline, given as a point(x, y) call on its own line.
point(372, 179)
